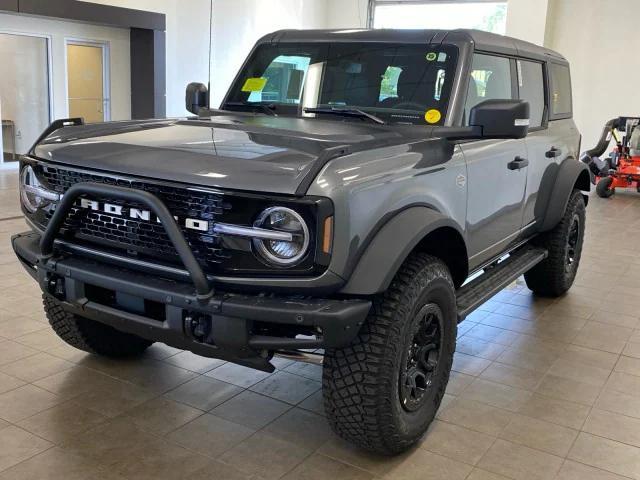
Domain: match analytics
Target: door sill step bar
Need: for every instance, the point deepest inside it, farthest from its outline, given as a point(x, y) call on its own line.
point(494, 279)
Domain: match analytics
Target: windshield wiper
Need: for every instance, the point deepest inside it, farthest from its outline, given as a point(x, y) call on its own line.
point(268, 109)
point(347, 112)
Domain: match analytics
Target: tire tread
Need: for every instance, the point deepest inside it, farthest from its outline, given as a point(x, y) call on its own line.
point(356, 379)
point(90, 336)
point(548, 278)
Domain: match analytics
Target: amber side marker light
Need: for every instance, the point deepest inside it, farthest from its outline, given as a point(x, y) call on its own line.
point(327, 235)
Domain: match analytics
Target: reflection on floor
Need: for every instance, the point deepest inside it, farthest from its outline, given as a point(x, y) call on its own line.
point(542, 389)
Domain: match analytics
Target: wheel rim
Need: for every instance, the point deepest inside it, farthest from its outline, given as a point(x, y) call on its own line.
point(421, 358)
point(572, 244)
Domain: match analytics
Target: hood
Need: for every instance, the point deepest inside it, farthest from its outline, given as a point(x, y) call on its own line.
point(251, 153)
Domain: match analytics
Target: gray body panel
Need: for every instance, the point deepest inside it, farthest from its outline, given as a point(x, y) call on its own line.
point(542, 171)
point(365, 191)
point(229, 151)
point(495, 197)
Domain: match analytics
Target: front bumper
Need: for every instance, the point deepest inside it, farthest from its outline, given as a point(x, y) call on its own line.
point(240, 328)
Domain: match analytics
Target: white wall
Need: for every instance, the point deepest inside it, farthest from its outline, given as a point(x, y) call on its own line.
point(24, 88)
point(187, 38)
point(527, 20)
point(347, 13)
point(237, 24)
point(56, 32)
point(602, 45)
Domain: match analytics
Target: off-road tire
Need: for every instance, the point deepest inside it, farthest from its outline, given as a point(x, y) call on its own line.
point(360, 382)
point(552, 277)
point(603, 188)
point(89, 335)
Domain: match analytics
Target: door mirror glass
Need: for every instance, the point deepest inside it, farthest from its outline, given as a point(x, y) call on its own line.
point(501, 118)
point(196, 97)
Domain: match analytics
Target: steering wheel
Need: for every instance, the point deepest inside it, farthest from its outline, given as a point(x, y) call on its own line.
point(408, 106)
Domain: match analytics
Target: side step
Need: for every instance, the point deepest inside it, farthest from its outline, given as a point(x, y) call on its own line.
point(481, 289)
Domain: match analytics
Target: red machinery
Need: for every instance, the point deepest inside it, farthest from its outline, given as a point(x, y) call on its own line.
point(622, 167)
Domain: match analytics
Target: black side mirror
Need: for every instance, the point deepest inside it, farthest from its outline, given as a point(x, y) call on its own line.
point(196, 97)
point(501, 118)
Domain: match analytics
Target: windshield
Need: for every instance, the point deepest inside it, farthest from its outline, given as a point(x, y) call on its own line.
point(395, 83)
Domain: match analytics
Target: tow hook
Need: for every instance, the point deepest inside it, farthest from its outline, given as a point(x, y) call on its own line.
point(197, 326)
point(55, 286)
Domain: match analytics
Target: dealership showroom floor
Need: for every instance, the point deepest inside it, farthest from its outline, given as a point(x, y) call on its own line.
point(541, 389)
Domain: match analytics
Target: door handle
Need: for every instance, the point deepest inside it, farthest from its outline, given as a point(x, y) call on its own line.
point(517, 163)
point(553, 153)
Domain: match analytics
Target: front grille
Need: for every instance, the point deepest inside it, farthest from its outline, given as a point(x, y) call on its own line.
point(140, 237)
point(147, 240)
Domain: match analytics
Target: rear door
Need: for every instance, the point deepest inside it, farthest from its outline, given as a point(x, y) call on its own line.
point(553, 136)
point(495, 187)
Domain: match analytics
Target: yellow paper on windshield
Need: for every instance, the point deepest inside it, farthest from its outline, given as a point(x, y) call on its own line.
point(255, 84)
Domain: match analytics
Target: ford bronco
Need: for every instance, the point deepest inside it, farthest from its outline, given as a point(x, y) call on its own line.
point(356, 195)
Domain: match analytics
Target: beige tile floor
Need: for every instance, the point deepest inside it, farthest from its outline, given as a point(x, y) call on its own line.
point(542, 389)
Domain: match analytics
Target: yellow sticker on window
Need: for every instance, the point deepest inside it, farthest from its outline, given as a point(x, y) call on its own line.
point(432, 116)
point(431, 56)
point(255, 84)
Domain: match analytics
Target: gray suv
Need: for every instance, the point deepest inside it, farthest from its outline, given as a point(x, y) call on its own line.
point(355, 197)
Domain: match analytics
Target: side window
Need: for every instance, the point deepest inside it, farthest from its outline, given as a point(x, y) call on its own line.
point(531, 88)
point(490, 79)
point(560, 90)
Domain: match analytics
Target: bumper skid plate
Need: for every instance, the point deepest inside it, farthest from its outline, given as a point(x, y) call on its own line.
point(220, 326)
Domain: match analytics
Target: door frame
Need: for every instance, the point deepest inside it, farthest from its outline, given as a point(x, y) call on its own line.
point(48, 40)
point(106, 71)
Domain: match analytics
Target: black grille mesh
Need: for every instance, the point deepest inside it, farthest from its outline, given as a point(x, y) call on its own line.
point(142, 237)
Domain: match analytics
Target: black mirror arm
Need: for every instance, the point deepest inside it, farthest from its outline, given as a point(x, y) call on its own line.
point(472, 132)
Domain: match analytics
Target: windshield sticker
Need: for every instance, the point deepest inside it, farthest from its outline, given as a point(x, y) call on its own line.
point(255, 84)
point(432, 116)
point(431, 56)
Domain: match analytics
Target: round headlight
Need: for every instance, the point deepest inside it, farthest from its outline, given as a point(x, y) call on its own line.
point(282, 252)
point(30, 187)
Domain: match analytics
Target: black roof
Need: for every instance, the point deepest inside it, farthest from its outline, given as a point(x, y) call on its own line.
point(484, 41)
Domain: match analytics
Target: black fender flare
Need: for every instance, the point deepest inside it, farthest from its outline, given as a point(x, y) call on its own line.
point(571, 174)
point(390, 247)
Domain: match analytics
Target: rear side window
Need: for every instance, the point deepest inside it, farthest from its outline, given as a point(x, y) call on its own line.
point(531, 88)
point(560, 91)
point(490, 79)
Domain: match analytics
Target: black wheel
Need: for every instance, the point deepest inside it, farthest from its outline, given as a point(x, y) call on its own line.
point(603, 188)
point(89, 335)
point(382, 391)
point(555, 275)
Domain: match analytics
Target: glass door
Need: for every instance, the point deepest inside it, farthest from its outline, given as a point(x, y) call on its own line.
point(24, 92)
point(87, 81)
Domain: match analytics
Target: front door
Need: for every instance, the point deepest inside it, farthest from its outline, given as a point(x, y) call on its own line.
point(496, 169)
point(87, 84)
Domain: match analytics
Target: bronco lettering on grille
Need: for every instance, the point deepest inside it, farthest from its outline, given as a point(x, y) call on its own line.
point(138, 214)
